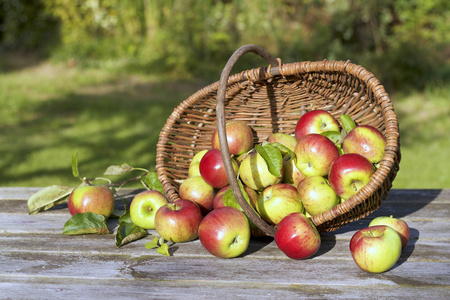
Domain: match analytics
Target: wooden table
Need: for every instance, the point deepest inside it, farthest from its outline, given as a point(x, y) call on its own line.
point(38, 262)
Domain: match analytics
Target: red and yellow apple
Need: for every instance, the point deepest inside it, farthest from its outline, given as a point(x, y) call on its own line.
point(367, 141)
point(196, 189)
point(239, 137)
point(212, 169)
point(317, 195)
point(91, 198)
point(315, 121)
point(397, 224)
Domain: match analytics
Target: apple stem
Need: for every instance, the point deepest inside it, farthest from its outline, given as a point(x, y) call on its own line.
point(85, 180)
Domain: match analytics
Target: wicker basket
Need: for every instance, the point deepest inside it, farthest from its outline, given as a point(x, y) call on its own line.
point(272, 100)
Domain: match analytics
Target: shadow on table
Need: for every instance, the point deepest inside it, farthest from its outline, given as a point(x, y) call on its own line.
point(409, 248)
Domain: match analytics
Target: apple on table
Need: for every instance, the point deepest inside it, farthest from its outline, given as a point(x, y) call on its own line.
point(376, 249)
point(91, 198)
point(399, 225)
point(144, 206)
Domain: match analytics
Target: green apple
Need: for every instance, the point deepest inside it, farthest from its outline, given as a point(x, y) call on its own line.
point(291, 173)
point(144, 206)
point(397, 224)
point(376, 249)
point(277, 201)
point(317, 195)
point(194, 166)
point(91, 198)
point(254, 172)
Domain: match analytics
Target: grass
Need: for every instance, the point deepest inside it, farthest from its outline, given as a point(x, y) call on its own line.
point(50, 112)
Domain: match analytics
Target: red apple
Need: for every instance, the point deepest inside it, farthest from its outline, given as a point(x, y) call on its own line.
point(397, 224)
point(225, 232)
point(239, 138)
point(315, 121)
point(218, 198)
point(196, 189)
point(376, 249)
point(212, 169)
point(254, 172)
point(91, 198)
point(367, 141)
point(277, 201)
point(349, 173)
point(178, 221)
point(314, 154)
point(317, 195)
point(144, 207)
point(297, 236)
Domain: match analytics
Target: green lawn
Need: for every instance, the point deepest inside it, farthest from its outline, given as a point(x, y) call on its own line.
point(50, 112)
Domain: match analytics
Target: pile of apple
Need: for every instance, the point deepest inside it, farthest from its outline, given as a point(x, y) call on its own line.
point(286, 180)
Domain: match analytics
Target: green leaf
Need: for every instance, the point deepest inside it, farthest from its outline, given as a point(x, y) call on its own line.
point(151, 181)
point(283, 149)
point(127, 231)
point(164, 249)
point(153, 244)
point(273, 158)
point(118, 169)
point(75, 165)
point(86, 223)
point(230, 200)
point(334, 136)
point(47, 198)
point(347, 123)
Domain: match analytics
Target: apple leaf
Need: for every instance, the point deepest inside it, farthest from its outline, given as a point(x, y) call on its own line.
point(347, 123)
point(284, 150)
point(153, 244)
point(151, 181)
point(75, 165)
point(86, 223)
point(334, 136)
point(164, 249)
point(47, 198)
point(273, 158)
point(118, 169)
point(127, 231)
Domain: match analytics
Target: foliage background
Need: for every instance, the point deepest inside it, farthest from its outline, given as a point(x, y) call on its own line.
point(101, 76)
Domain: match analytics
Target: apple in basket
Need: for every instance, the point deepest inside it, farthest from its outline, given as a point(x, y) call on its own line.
point(317, 195)
point(314, 154)
point(91, 198)
point(349, 173)
point(397, 224)
point(239, 138)
point(277, 201)
point(315, 121)
point(178, 221)
point(144, 206)
point(297, 236)
point(194, 165)
point(291, 174)
point(196, 189)
point(254, 172)
point(284, 139)
point(212, 169)
point(376, 249)
point(225, 232)
point(367, 141)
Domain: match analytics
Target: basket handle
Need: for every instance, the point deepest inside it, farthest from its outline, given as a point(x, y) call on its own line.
point(220, 108)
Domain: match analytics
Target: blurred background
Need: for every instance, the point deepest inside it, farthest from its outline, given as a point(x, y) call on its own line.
point(100, 77)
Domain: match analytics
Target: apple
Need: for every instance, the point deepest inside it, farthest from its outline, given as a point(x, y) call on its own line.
point(376, 249)
point(367, 141)
point(317, 195)
point(194, 165)
point(239, 138)
point(196, 189)
point(315, 121)
point(277, 201)
point(397, 224)
point(218, 198)
point(212, 169)
point(284, 139)
point(144, 206)
point(297, 236)
point(349, 173)
point(254, 172)
point(91, 198)
point(314, 154)
point(291, 173)
point(178, 221)
point(225, 232)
